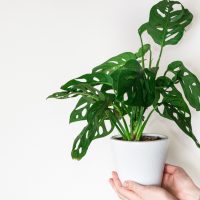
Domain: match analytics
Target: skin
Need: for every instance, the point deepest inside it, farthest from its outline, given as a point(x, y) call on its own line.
point(177, 185)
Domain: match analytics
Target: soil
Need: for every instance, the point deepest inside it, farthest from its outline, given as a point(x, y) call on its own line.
point(147, 138)
point(150, 138)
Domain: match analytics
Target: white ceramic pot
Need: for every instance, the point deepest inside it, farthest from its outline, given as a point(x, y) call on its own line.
point(142, 161)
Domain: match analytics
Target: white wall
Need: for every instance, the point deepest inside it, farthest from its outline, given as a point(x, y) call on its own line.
point(44, 43)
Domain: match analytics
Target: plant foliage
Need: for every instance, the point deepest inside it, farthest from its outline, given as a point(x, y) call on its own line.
point(126, 86)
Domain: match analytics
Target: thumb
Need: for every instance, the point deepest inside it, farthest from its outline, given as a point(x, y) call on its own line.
point(135, 187)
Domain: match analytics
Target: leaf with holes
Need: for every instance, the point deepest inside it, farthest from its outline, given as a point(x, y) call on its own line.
point(175, 108)
point(98, 126)
point(59, 95)
point(82, 89)
point(91, 79)
point(81, 109)
point(189, 82)
point(167, 22)
point(134, 85)
point(120, 60)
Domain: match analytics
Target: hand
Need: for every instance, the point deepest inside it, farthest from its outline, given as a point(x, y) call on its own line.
point(177, 182)
point(134, 191)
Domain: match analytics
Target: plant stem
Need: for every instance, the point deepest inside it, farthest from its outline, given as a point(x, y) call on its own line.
point(126, 127)
point(114, 121)
point(150, 59)
point(142, 51)
point(131, 122)
point(125, 108)
point(139, 123)
point(161, 51)
point(141, 129)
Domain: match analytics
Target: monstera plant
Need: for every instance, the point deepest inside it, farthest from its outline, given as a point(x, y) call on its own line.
point(124, 91)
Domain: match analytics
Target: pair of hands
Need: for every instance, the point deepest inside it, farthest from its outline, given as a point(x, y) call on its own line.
point(176, 185)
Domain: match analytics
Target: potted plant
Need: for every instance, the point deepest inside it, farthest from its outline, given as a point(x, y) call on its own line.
point(122, 93)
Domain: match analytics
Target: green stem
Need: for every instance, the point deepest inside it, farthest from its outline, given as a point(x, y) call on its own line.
point(114, 121)
point(131, 122)
point(142, 51)
point(125, 108)
point(161, 51)
point(163, 40)
point(127, 129)
point(150, 59)
point(145, 122)
point(139, 123)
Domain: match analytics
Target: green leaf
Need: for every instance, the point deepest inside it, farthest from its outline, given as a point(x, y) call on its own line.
point(135, 85)
point(189, 82)
point(81, 109)
point(114, 63)
point(59, 95)
point(142, 51)
point(174, 106)
point(82, 89)
point(167, 22)
point(97, 127)
point(91, 79)
point(84, 86)
point(120, 60)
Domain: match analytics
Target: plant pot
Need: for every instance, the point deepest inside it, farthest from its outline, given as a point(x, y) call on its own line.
point(140, 161)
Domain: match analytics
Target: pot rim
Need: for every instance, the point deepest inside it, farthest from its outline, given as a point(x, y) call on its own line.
point(163, 138)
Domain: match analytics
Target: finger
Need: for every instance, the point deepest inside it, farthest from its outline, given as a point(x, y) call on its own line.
point(165, 180)
point(116, 180)
point(122, 197)
point(135, 187)
point(112, 184)
point(129, 195)
point(170, 169)
point(115, 189)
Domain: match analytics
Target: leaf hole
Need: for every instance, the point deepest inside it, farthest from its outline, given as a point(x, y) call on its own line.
point(194, 84)
point(177, 6)
point(170, 75)
point(169, 89)
point(187, 115)
point(82, 80)
point(96, 134)
point(110, 91)
point(176, 69)
point(185, 74)
point(161, 99)
point(159, 28)
point(114, 62)
point(183, 22)
point(161, 109)
point(108, 125)
point(171, 36)
point(80, 150)
point(84, 112)
point(96, 79)
point(161, 13)
point(175, 115)
point(125, 96)
point(81, 106)
point(77, 144)
point(87, 135)
point(100, 130)
point(188, 129)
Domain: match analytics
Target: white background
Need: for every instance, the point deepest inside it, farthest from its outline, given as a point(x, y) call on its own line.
point(44, 43)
